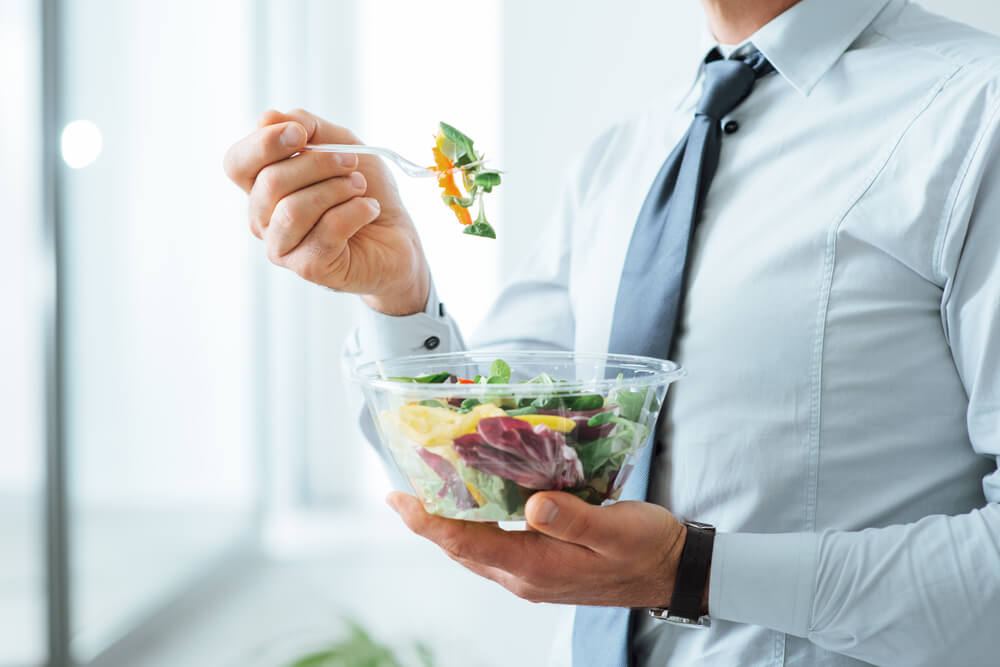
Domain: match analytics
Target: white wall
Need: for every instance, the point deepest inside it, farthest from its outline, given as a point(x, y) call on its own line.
point(570, 70)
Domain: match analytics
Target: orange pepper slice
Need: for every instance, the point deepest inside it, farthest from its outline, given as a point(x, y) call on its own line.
point(446, 180)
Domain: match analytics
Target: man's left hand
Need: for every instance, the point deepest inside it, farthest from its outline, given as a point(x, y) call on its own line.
point(621, 555)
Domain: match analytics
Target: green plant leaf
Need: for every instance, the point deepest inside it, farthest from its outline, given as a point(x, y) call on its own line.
point(454, 135)
point(587, 402)
point(451, 150)
point(541, 378)
point(603, 418)
point(487, 179)
point(631, 402)
point(495, 489)
point(318, 659)
point(500, 369)
point(464, 202)
point(550, 402)
point(468, 404)
point(358, 649)
point(483, 229)
point(424, 654)
point(595, 454)
point(433, 378)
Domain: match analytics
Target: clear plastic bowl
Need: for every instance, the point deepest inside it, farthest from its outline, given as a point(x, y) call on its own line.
point(563, 421)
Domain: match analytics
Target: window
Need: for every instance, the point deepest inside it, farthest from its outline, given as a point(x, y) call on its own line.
point(390, 75)
point(22, 292)
point(159, 366)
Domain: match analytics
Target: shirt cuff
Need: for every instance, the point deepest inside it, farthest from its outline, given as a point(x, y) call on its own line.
point(381, 336)
point(764, 579)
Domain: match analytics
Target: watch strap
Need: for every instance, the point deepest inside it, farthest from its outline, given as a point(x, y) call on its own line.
point(692, 571)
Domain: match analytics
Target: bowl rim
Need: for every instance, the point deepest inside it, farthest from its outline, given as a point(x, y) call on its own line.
point(663, 372)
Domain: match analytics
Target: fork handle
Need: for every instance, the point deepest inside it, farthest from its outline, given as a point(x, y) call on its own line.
point(408, 167)
point(347, 148)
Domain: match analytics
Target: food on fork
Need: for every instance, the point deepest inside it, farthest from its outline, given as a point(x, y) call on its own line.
point(453, 151)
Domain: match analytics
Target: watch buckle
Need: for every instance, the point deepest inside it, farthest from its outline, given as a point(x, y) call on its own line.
point(665, 615)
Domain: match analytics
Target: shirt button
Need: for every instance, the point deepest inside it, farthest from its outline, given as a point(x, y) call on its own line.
point(432, 342)
point(731, 127)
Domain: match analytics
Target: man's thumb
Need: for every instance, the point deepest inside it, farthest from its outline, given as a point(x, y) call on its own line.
point(570, 519)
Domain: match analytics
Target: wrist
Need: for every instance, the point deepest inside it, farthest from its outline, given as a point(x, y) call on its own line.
point(408, 300)
point(676, 549)
point(667, 570)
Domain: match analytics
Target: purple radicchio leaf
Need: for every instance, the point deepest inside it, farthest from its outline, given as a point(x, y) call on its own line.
point(583, 432)
point(533, 457)
point(453, 484)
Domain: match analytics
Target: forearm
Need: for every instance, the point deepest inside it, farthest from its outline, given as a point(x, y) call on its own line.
point(918, 594)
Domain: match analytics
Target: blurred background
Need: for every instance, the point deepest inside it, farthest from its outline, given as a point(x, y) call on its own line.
point(181, 477)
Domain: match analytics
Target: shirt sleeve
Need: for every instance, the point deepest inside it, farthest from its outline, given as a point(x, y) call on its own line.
point(380, 336)
point(532, 311)
point(926, 593)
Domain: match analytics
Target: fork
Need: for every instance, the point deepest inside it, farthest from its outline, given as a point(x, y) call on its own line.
point(408, 167)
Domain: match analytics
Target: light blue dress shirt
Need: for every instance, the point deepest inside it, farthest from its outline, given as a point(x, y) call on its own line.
point(840, 423)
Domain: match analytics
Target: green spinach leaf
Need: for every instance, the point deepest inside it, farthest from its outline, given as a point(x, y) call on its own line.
point(494, 488)
point(586, 402)
point(500, 369)
point(480, 228)
point(487, 179)
point(433, 378)
point(453, 135)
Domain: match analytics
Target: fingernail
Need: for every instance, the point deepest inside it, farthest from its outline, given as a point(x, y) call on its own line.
point(293, 135)
point(374, 204)
point(347, 160)
point(358, 180)
point(547, 511)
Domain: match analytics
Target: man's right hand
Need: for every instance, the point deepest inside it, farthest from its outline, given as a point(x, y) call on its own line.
point(335, 219)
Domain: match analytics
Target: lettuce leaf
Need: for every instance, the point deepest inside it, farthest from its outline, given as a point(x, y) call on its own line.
point(496, 490)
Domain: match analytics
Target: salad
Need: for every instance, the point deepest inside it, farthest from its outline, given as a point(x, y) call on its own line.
point(453, 151)
point(482, 458)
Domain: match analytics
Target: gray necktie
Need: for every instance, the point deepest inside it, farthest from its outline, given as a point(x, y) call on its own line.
point(651, 289)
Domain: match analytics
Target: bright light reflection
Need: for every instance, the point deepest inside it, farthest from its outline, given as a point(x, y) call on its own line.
point(81, 143)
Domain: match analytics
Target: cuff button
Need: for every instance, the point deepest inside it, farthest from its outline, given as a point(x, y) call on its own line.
point(431, 342)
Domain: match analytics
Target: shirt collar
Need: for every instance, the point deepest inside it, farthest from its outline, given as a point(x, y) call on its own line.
point(805, 41)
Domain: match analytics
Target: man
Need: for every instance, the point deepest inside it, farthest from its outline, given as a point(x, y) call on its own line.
point(840, 323)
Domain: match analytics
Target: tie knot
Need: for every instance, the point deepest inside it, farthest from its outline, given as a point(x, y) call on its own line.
point(728, 82)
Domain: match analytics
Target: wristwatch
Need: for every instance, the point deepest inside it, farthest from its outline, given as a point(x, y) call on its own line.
point(692, 575)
